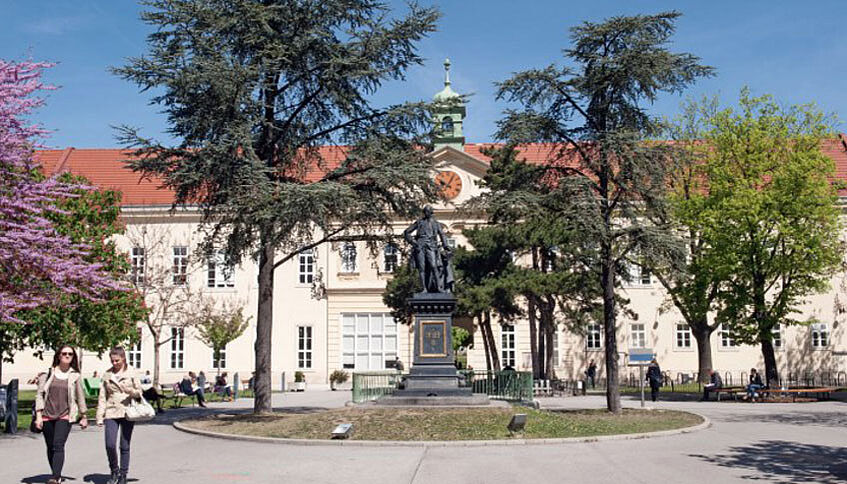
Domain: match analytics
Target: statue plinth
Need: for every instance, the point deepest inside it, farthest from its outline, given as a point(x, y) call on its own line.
point(433, 372)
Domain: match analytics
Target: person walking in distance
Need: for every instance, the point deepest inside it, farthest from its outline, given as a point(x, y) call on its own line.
point(59, 402)
point(591, 373)
point(654, 377)
point(117, 391)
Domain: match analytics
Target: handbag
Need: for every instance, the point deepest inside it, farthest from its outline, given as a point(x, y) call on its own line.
point(139, 410)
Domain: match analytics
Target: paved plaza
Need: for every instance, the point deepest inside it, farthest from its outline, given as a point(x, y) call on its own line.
point(782, 443)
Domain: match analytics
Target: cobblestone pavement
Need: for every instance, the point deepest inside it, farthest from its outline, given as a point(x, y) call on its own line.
point(782, 443)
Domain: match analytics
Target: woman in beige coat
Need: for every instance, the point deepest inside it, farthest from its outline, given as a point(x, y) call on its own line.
point(118, 389)
point(59, 402)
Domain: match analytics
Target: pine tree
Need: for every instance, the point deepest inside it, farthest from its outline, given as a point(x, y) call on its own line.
point(253, 89)
point(594, 118)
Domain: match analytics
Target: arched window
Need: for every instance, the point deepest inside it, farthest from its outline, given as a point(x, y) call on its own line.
point(447, 125)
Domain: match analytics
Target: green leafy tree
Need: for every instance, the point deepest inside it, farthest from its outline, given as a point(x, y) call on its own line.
point(91, 217)
point(770, 214)
point(692, 287)
point(218, 326)
point(593, 115)
point(253, 90)
point(461, 337)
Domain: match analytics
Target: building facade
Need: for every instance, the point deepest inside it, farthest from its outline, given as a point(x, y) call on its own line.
point(328, 311)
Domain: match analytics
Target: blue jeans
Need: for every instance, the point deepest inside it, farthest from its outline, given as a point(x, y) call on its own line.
point(752, 389)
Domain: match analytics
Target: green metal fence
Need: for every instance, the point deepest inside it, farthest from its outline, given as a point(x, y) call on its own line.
point(370, 385)
point(514, 386)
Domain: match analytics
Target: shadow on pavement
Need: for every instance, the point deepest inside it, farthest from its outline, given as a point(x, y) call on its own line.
point(102, 478)
point(791, 418)
point(42, 478)
point(785, 462)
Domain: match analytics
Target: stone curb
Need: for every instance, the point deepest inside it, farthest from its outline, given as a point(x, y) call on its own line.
point(444, 443)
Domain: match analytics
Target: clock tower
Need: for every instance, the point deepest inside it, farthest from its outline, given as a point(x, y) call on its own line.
point(449, 115)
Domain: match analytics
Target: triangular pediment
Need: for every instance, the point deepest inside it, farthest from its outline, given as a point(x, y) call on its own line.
point(448, 156)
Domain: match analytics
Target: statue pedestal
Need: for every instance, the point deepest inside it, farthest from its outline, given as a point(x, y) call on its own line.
point(433, 373)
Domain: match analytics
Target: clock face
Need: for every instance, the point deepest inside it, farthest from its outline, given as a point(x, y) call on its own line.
point(449, 184)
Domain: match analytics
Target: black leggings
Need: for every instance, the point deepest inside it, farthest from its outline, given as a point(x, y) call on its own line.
point(55, 435)
point(112, 426)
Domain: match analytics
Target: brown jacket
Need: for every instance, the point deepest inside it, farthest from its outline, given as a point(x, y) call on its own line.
point(76, 395)
point(116, 396)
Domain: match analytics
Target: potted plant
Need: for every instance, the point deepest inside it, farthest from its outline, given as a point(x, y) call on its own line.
point(299, 381)
point(337, 377)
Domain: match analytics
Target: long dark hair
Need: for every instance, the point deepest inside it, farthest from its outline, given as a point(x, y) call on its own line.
point(57, 357)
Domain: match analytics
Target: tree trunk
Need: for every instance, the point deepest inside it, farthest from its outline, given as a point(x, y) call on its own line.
point(771, 371)
point(264, 325)
point(607, 283)
point(704, 351)
point(157, 352)
point(495, 358)
point(547, 328)
point(488, 350)
point(533, 336)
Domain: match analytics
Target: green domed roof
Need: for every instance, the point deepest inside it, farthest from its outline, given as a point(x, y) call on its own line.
point(447, 93)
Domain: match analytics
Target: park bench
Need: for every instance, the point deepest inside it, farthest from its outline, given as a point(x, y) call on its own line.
point(734, 391)
point(176, 394)
point(91, 387)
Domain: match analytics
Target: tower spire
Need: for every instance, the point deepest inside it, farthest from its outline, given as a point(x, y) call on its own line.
point(449, 114)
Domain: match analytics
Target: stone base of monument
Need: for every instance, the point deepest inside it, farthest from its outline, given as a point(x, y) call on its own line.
point(432, 380)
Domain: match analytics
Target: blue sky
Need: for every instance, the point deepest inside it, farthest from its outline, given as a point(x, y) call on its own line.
point(796, 51)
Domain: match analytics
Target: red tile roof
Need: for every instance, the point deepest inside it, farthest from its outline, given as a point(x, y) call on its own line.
point(105, 167)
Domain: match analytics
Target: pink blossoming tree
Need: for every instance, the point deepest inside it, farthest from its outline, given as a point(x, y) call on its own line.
point(36, 262)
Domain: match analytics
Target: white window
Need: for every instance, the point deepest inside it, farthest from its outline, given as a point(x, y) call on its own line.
point(218, 273)
point(556, 361)
point(138, 263)
point(304, 347)
point(726, 340)
point(133, 356)
point(389, 258)
point(177, 348)
point(820, 335)
point(507, 345)
point(180, 267)
point(348, 257)
point(683, 336)
point(639, 276)
point(307, 266)
point(645, 278)
point(594, 337)
point(777, 336)
point(220, 361)
point(368, 340)
point(451, 242)
point(637, 336)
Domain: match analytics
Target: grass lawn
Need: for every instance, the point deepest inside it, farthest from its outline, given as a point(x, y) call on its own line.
point(447, 424)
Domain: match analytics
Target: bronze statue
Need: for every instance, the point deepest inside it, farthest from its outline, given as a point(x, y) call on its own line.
point(431, 255)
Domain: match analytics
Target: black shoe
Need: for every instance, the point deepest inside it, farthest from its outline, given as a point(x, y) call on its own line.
point(121, 478)
point(113, 478)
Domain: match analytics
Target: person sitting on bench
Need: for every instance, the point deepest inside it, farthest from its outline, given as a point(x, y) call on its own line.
point(222, 387)
point(186, 386)
point(755, 385)
point(715, 382)
point(152, 395)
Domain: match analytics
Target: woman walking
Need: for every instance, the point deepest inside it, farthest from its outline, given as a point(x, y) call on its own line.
point(59, 401)
point(118, 389)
